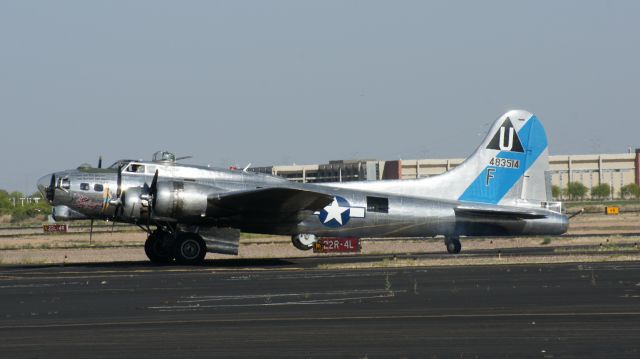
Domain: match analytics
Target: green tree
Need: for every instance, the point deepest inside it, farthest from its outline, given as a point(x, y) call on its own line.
point(22, 211)
point(576, 190)
point(556, 191)
point(601, 191)
point(5, 201)
point(631, 190)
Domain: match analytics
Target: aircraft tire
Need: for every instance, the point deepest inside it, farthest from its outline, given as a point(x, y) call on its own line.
point(190, 249)
point(303, 242)
point(453, 245)
point(155, 249)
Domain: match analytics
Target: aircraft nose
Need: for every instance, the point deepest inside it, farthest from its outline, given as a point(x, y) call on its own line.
point(43, 185)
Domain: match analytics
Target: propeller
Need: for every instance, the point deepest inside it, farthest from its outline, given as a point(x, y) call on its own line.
point(117, 202)
point(149, 194)
point(51, 190)
point(119, 182)
point(154, 187)
point(91, 223)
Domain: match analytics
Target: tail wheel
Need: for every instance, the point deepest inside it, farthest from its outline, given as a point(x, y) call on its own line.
point(453, 245)
point(190, 249)
point(157, 250)
point(303, 242)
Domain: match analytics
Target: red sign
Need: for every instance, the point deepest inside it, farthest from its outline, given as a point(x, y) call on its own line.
point(55, 228)
point(333, 245)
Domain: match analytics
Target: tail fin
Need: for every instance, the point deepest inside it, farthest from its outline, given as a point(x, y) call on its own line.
point(509, 168)
point(510, 165)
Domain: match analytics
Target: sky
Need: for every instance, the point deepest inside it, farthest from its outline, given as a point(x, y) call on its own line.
point(282, 82)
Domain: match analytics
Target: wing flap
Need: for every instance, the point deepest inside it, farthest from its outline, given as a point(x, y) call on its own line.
point(267, 201)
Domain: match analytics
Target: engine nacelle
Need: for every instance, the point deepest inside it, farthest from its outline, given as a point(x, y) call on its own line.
point(180, 200)
point(132, 205)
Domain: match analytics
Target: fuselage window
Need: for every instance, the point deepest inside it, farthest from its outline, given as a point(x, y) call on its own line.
point(134, 168)
point(84, 186)
point(378, 204)
point(98, 187)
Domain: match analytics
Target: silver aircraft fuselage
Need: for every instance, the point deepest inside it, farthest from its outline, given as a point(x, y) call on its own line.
point(87, 192)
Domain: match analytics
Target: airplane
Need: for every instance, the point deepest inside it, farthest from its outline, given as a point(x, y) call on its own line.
point(502, 189)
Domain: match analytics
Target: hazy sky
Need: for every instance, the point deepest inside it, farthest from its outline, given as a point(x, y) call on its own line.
point(278, 82)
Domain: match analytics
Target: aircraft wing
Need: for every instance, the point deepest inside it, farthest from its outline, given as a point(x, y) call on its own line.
point(499, 212)
point(270, 202)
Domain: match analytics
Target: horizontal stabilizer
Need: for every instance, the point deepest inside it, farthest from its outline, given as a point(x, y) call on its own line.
point(498, 213)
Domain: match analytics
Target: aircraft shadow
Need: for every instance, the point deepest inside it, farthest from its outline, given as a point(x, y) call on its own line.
point(209, 263)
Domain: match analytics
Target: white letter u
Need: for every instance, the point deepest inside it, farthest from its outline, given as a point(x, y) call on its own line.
point(504, 147)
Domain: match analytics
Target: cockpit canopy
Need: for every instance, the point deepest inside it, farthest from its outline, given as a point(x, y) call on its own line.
point(120, 163)
point(163, 156)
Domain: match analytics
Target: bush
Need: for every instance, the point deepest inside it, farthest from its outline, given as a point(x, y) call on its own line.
point(601, 191)
point(556, 191)
point(576, 190)
point(21, 211)
point(631, 190)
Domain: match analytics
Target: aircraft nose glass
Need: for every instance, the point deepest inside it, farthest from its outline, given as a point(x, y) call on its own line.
point(46, 186)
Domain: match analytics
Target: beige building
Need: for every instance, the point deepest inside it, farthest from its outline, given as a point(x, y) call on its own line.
point(616, 170)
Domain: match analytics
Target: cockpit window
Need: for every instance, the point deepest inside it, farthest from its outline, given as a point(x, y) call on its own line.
point(119, 163)
point(84, 186)
point(98, 187)
point(135, 168)
point(65, 184)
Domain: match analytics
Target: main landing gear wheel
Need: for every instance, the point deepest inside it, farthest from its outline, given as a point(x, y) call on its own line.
point(157, 249)
point(190, 249)
point(453, 245)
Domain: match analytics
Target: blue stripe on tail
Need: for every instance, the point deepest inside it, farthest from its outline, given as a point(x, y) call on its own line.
point(494, 182)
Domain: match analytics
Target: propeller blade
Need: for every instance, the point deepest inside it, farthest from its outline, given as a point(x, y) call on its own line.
point(154, 184)
point(119, 195)
point(51, 190)
point(119, 182)
point(100, 162)
point(153, 189)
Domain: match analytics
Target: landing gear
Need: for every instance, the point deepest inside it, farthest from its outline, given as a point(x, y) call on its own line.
point(163, 247)
point(303, 242)
point(158, 247)
point(190, 249)
point(453, 244)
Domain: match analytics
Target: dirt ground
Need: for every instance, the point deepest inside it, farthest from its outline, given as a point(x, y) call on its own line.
point(595, 230)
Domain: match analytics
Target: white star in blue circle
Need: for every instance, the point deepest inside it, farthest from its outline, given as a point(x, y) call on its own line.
point(336, 214)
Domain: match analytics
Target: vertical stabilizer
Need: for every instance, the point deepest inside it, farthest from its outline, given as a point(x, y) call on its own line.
point(508, 168)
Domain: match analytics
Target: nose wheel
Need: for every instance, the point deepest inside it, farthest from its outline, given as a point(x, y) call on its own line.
point(453, 245)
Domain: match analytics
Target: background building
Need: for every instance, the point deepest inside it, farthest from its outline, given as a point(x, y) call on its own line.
point(616, 170)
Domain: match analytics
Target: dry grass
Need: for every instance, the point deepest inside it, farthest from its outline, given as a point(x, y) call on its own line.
point(127, 246)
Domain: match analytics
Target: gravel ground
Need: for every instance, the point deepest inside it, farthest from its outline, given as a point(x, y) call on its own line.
point(127, 246)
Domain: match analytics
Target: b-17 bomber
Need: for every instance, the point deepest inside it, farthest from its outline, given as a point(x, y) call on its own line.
point(502, 189)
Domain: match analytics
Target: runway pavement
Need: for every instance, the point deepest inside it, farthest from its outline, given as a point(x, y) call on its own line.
point(286, 308)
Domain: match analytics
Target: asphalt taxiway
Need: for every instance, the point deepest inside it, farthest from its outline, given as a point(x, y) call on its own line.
point(286, 308)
